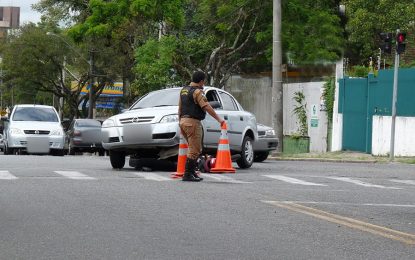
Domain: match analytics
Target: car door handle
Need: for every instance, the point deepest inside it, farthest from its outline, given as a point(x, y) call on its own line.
point(225, 117)
point(241, 118)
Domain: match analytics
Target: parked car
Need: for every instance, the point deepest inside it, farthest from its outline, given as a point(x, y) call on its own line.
point(150, 129)
point(84, 135)
point(33, 129)
point(267, 142)
point(1, 142)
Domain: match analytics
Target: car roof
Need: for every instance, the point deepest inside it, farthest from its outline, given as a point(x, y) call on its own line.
point(32, 105)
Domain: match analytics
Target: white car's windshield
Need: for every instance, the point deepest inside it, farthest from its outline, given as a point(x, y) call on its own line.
point(166, 97)
point(43, 114)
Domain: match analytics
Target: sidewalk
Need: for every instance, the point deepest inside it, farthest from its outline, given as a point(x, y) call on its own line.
point(341, 156)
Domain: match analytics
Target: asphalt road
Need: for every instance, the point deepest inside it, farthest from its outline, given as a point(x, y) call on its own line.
point(77, 207)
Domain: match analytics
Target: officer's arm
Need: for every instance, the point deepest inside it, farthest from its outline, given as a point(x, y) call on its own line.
point(208, 108)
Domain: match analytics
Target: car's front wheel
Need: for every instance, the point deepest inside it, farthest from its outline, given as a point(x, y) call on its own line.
point(117, 159)
point(247, 154)
point(260, 156)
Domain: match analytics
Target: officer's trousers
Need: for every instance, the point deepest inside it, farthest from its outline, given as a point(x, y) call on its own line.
point(192, 131)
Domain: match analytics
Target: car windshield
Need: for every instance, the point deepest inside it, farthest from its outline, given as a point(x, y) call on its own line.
point(44, 114)
point(88, 123)
point(166, 97)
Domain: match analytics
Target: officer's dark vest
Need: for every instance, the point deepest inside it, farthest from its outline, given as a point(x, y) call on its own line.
point(189, 107)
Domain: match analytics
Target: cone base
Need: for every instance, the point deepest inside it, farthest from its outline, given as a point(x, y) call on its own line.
point(225, 170)
point(176, 175)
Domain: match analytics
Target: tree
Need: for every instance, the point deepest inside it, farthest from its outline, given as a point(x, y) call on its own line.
point(33, 64)
point(227, 37)
point(367, 18)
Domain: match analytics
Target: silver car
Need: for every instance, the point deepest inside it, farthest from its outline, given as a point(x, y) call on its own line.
point(150, 129)
point(33, 129)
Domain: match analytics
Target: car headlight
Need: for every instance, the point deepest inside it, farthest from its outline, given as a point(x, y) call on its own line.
point(57, 132)
point(108, 123)
point(270, 132)
point(15, 131)
point(170, 119)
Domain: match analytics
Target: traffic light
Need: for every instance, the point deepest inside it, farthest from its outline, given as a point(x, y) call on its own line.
point(386, 45)
point(400, 42)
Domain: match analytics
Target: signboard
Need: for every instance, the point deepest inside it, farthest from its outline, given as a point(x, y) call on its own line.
point(314, 115)
point(107, 99)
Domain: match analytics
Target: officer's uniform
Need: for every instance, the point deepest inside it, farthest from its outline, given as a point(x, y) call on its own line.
point(191, 103)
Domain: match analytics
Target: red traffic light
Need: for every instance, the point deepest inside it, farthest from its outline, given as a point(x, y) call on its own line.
point(400, 37)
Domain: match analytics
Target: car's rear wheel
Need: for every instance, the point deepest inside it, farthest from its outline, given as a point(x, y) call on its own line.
point(60, 152)
point(260, 156)
point(247, 154)
point(117, 159)
point(101, 152)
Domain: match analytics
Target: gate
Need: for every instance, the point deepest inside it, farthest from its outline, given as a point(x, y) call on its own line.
point(353, 106)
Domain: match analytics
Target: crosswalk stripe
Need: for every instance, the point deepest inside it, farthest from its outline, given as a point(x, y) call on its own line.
point(293, 180)
point(6, 175)
point(152, 176)
point(74, 175)
point(411, 182)
point(362, 183)
point(223, 178)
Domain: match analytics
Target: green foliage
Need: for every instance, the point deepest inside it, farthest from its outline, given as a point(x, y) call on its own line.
point(367, 18)
point(154, 65)
point(300, 110)
point(329, 89)
point(359, 71)
point(311, 31)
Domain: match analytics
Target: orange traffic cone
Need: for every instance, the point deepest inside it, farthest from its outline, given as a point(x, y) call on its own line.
point(181, 160)
point(223, 163)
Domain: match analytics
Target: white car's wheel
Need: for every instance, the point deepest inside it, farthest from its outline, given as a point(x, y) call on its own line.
point(117, 159)
point(247, 154)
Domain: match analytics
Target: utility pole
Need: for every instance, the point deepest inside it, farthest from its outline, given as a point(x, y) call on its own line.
point(62, 89)
point(394, 98)
point(91, 85)
point(277, 88)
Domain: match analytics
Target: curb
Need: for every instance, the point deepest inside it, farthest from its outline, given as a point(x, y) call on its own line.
point(322, 160)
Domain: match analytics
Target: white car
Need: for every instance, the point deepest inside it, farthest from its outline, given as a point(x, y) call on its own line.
point(150, 129)
point(33, 129)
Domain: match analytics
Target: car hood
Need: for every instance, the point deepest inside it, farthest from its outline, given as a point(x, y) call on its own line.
point(35, 125)
point(155, 113)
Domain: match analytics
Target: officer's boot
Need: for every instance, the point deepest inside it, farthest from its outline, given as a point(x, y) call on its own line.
point(189, 171)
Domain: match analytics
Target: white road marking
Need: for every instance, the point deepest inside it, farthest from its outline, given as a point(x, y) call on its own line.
point(74, 175)
point(361, 183)
point(222, 178)
point(152, 176)
point(6, 175)
point(411, 182)
point(293, 180)
point(351, 204)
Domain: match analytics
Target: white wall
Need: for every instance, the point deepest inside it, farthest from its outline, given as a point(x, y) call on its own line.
point(254, 94)
point(404, 136)
point(337, 131)
point(312, 92)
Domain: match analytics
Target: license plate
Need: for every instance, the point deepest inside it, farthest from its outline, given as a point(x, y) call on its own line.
point(38, 144)
point(137, 133)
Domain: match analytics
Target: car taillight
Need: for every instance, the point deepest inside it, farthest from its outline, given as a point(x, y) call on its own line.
point(77, 133)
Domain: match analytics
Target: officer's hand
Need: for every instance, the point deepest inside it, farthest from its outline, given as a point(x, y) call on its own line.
point(222, 123)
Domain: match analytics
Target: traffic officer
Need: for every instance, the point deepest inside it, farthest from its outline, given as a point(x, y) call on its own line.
point(193, 106)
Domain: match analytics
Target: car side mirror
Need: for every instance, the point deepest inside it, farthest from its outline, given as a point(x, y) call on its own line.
point(215, 104)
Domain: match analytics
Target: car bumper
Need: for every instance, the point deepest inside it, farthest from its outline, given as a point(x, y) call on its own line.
point(135, 136)
point(22, 141)
point(266, 144)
